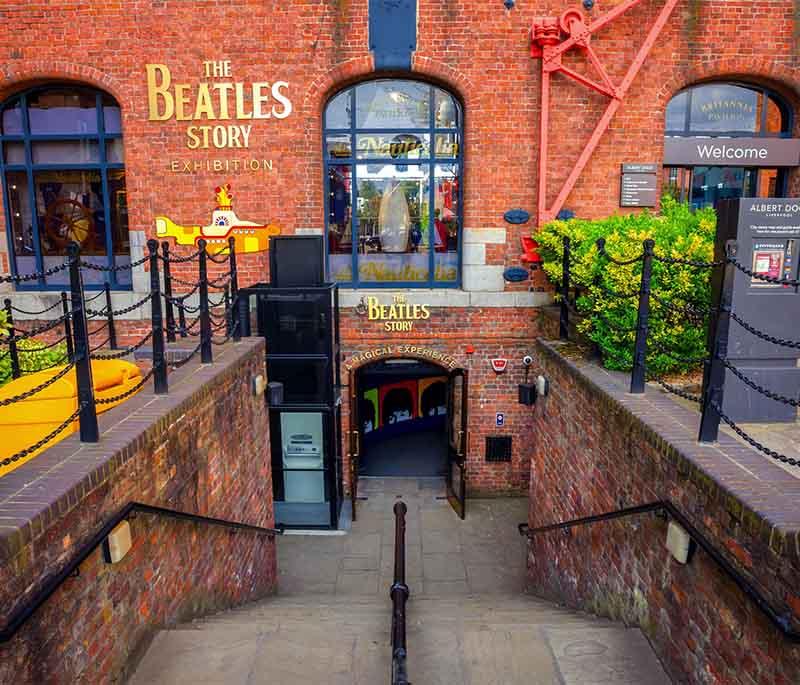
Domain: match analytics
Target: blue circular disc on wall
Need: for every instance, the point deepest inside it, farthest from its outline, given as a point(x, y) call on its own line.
point(515, 274)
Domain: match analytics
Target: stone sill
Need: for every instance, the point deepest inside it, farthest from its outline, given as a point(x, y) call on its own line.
point(756, 492)
point(447, 297)
point(53, 483)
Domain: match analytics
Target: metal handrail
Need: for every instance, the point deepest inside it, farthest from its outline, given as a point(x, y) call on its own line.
point(782, 621)
point(21, 615)
point(399, 594)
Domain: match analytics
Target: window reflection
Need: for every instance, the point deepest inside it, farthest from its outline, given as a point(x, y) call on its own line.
point(393, 104)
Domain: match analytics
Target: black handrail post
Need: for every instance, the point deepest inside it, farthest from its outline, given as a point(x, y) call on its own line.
point(563, 320)
point(13, 353)
point(67, 328)
point(112, 331)
point(399, 594)
point(639, 371)
point(170, 310)
point(717, 350)
point(157, 323)
point(235, 321)
point(206, 355)
point(89, 431)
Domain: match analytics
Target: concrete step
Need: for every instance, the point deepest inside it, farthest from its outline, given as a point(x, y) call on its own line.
point(503, 640)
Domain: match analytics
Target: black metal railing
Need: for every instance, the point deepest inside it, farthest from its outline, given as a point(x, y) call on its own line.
point(717, 318)
point(218, 322)
point(399, 593)
point(783, 621)
point(23, 613)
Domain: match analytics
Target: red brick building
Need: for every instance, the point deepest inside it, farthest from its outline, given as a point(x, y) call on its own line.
point(403, 133)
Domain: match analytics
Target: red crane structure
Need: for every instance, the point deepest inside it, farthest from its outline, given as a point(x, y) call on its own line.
point(550, 39)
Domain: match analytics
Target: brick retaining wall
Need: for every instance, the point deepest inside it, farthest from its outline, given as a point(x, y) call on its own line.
point(203, 448)
point(598, 449)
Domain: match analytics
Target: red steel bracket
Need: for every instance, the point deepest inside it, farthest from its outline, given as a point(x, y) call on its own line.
point(550, 39)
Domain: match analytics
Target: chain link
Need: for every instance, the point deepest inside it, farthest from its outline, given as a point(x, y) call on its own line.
point(761, 277)
point(44, 311)
point(129, 392)
point(694, 263)
point(42, 346)
point(601, 250)
point(614, 293)
point(752, 441)
point(128, 350)
point(180, 260)
point(41, 443)
point(674, 390)
point(178, 364)
point(33, 332)
point(34, 276)
point(214, 259)
point(764, 336)
point(755, 386)
point(672, 355)
point(187, 284)
point(38, 388)
point(115, 268)
point(120, 312)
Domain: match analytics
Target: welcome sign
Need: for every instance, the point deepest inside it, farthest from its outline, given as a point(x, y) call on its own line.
point(758, 152)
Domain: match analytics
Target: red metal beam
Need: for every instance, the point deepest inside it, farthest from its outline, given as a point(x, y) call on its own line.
point(550, 44)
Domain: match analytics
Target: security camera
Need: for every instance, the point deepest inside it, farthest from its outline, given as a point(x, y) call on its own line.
point(527, 360)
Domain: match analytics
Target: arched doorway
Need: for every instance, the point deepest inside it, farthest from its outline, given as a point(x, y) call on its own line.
point(409, 419)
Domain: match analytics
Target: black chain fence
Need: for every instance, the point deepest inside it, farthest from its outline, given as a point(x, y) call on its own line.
point(714, 362)
point(79, 345)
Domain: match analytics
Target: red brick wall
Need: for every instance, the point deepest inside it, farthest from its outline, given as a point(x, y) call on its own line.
point(493, 332)
point(592, 455)
point(478, 49)
point(205, 453)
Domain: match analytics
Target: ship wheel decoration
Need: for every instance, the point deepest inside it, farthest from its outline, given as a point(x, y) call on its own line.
point(68, 221)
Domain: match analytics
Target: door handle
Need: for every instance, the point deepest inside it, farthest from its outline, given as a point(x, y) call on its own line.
point(356, 452)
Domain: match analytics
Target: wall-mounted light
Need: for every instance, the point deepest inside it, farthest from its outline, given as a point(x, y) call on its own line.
point(118, 543)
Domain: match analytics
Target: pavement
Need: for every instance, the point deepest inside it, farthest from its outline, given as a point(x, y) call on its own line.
point(468, 619)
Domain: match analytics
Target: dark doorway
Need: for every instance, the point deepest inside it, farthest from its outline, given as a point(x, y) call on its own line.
point(402, 416)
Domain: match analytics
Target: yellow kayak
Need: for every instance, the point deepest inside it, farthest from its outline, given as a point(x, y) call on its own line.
point(24, 423)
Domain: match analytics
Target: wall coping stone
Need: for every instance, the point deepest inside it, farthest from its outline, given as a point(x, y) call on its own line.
point(755, 491)
point(54, 482)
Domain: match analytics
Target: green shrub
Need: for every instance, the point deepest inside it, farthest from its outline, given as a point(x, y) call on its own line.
point(677, 232)
point(34, 355)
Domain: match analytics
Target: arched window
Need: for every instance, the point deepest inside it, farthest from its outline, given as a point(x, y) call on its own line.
point(722, 110)
point(393, 185)
point(63, 181)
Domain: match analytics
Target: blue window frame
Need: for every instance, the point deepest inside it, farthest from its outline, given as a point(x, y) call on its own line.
point(63, 177)
point(393, 185)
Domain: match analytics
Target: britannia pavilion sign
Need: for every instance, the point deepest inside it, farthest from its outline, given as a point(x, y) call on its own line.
point(758, 152)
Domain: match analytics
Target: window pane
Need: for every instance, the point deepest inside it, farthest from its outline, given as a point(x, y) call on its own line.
point(446, 223)
point(447, 145)
point(12, 119)
point(767, 182)
point(723, 107)
point(399, 146)
point(66, 152)
point(337, 113)
point(112, 117)
point(118, 203)
point(714, 183)
point(393, 222)
point(676, 112)
point(339, 146)
point(447, 111)
point(393, 104)
point(115, 151)
point(62, 111)
point(21, 218)
point(304, 381)
point(70, 208)
point(340, 237)
point(14, 153)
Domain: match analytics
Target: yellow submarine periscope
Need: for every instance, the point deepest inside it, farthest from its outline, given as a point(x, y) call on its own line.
point(248, 235)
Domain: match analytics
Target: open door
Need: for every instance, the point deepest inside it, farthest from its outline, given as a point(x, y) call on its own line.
point(457, 440)
point(353, 440)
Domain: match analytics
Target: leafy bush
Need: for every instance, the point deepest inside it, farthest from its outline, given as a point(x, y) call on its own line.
point(34, 355)
point(677, 232)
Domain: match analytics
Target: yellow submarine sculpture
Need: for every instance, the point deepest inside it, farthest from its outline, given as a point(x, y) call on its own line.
point(248, 235)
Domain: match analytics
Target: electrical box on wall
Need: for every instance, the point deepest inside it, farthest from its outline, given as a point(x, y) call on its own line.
point(527, 393)
point(118, 543)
